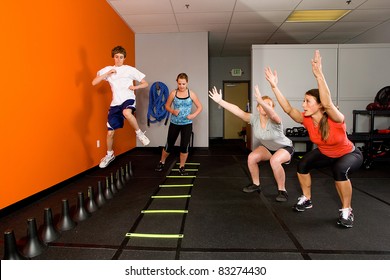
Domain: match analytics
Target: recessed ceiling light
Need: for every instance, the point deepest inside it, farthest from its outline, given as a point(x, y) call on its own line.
point(316, 15)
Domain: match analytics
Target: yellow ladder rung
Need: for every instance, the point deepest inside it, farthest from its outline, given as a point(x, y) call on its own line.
point(176, 186)
point(154, 235)
point(171, 196)
point(170, 211)
point(181, 176)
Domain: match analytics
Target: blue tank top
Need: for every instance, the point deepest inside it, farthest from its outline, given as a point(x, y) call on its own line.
point(185, 106)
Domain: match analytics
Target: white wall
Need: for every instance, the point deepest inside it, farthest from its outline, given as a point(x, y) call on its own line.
point(361, 91)
point(162, 57)
point(363, 69)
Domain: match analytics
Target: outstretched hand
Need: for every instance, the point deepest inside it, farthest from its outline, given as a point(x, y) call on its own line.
point(316, 64)
point(271, 77)
point(215, 95)
point(258, 94)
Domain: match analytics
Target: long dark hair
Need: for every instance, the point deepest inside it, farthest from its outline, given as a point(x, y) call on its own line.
point(324, 126)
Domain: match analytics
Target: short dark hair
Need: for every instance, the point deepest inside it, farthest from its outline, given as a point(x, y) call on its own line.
point(118, 49)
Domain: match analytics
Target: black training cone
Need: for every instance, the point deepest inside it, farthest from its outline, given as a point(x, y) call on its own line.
point(81, 213)
point(123, 176)
point(100, 199)
point(127, 173)
point(118, 182)
point(11, 251)
point(65, 222)
point(107, 193)
point(91, 204)
point(49, 232)
point(114, 190)
point(34, 245)
point(130, 169)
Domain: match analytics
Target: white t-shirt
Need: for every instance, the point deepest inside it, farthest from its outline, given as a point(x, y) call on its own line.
point(120, 82)
point(272, 136)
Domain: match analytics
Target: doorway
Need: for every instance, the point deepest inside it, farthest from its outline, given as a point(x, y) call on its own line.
point(236, 93)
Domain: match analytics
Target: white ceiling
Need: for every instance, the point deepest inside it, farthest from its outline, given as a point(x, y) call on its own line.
point(234, 25)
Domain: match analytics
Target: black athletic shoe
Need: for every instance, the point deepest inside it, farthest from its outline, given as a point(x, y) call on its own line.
point(303, 204)
point(252, 188)
point(183, 171)
point(346, 218)
point(160, 166)
point(282, 196)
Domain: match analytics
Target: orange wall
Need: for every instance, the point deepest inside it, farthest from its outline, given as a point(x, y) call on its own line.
point(51, 114)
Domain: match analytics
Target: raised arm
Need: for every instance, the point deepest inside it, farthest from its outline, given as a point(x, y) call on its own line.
point(326, 99)
point(272, 78)
point(217, 97)
point(269, 110)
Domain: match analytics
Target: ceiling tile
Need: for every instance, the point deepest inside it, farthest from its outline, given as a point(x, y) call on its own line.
point(155, 28)
point(368, 15)
point(180, 6)
point(261, 27)
point(352, 26)
point(259, 17)
point(203, 27)
point(133, 7)
point(329, 4)
point(338, 37)
point(150, 20)
point(203, 18)
point(269, 5)
point(376, 4)
point(286, 38)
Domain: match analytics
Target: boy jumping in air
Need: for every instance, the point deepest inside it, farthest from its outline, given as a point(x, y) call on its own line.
point(123, 105)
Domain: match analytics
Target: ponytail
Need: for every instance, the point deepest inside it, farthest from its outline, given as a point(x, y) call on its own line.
point(324, 127)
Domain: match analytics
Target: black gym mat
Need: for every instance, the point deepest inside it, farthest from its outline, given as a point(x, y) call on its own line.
point(222, 222)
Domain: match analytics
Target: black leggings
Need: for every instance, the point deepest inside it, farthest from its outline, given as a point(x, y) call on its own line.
point(185, 137)
point(340, 166)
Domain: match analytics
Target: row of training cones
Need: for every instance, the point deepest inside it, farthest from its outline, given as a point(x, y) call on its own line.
point(37, 243)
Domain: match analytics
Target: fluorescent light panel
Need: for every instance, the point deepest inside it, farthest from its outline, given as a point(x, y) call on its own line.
point(316, 15)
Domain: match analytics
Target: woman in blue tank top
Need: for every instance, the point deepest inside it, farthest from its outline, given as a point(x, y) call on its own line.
point(182, 100)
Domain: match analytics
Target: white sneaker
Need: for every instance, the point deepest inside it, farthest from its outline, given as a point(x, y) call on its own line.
point(346, 217)
point(106, 160)
point(144, 140)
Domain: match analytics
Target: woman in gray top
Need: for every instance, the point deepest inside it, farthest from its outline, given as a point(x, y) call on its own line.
point(274, 145)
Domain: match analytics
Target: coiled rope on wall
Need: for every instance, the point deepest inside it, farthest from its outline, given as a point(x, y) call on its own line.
point(158, 96)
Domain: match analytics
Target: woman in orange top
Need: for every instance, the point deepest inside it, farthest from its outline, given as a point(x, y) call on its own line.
point(326, 127)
